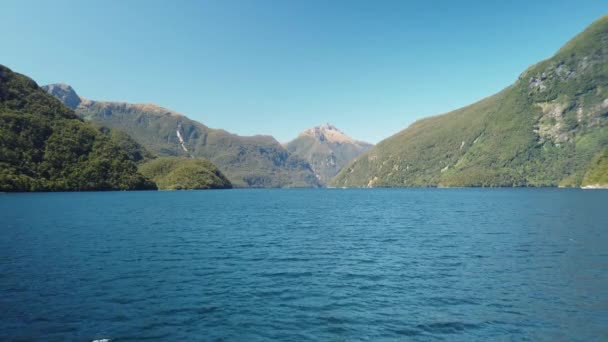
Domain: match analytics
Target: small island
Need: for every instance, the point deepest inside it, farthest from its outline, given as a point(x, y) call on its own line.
point(180, 173)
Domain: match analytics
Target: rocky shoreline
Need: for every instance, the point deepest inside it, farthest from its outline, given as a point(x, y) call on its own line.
point(595, 186)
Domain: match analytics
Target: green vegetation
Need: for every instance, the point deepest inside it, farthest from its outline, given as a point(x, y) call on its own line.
point(134, 150)
point(175, 173)
point(597, 173)
point(542, 131)
point(257, 161)
point(44, 146)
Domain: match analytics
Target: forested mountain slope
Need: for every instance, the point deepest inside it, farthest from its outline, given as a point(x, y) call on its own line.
point(547, 129)
point(44, 146)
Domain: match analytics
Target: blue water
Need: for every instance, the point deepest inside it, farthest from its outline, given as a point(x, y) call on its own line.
point(297, 265)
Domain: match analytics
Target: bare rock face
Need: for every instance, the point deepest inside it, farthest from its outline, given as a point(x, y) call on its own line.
point(64, 93)
point(329, 133)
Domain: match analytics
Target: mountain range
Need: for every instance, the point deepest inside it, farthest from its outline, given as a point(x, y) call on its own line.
point(549, 128)
point(256, 161)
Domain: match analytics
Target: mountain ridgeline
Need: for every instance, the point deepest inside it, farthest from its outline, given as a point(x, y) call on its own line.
point(326, 149)
point(256, 161)
point(550, 128)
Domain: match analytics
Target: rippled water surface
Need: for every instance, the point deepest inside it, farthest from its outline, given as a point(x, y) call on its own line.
point(247, 265)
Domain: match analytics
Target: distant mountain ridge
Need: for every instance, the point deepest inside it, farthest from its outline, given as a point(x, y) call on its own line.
point(549, 128)
point(255, 161)
point(326, 149)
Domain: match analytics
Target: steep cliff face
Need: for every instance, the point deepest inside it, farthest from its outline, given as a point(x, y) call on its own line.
point(326, 149)
point(543, 130)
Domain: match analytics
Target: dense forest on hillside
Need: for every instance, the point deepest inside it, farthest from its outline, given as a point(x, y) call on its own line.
point(544, 130)
point(44, 146)
point(178, 173)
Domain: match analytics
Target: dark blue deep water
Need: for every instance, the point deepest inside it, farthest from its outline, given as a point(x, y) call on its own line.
point(297, 265)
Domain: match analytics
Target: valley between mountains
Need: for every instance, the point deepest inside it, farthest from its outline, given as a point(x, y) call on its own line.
point(549, 128)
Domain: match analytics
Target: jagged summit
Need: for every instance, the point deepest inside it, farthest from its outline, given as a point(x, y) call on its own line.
point(329, 133)
point(65, 93)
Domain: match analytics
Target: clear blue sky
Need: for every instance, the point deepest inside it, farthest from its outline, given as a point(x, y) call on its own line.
point(278, 67)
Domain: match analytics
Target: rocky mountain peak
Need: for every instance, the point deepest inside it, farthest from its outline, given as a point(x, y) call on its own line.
point(328, 132)
point(328, 127)
point(65, 93)
point(326, 149)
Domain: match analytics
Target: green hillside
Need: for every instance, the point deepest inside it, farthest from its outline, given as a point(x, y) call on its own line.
point(543, 130)
point(178, 173)
point(597, 172)
point(256, 161)
point(44, 146)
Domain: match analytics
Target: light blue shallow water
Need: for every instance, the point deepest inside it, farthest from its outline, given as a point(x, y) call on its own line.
point(247, 265)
